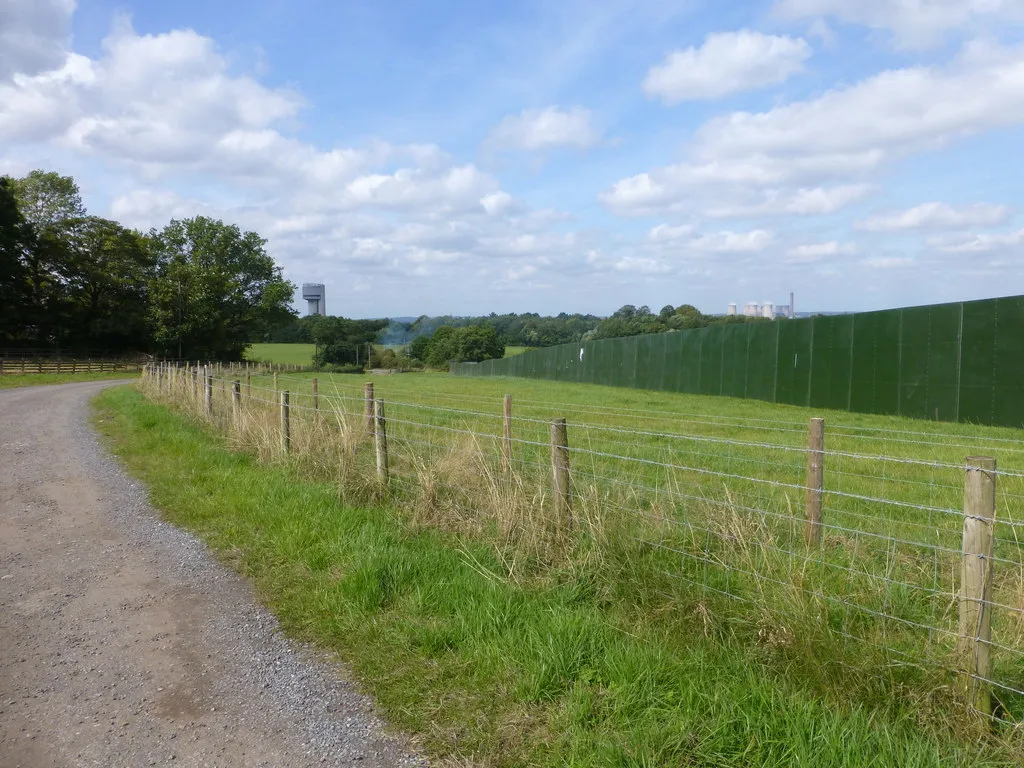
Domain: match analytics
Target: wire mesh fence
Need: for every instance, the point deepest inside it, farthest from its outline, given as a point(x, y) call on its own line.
point(902, 547)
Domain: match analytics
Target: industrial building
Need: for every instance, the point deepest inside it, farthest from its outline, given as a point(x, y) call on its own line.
point(315, 295)
point(765, 309)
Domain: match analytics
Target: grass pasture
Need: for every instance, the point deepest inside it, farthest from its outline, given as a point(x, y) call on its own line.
point(286, 354)
point(683, 619)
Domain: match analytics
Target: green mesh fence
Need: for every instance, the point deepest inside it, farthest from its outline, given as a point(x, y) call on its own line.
point(951, 362)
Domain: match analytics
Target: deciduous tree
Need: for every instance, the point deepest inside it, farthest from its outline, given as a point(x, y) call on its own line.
point(215, 289)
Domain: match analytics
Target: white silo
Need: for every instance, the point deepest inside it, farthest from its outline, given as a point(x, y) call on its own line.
point(732, 309)
point(753, 309)
point(768, 310)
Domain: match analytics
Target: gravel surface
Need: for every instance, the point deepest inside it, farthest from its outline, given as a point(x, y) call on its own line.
point(124, 643)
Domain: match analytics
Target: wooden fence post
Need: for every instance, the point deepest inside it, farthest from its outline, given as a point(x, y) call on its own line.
point(815, 479)
point(286, 427)
point(208, 389)
point(506, 442)
point(975, 628)
point(380, 441)
point(275, 381)
point(368, 401)
point(560, 470)
point(248, 385)
point(316, 394)
point(236, 399)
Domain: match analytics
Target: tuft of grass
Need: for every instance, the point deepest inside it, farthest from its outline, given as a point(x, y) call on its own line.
point(11, 381)
point(582, 653)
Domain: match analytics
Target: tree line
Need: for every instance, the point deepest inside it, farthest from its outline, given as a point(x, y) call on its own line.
point(74, 282)
point(200, 288)
point(523, 330)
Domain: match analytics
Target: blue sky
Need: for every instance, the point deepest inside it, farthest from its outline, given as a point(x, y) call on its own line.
point(457, 157)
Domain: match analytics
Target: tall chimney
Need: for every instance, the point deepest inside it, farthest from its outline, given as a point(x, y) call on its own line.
point(792, 309)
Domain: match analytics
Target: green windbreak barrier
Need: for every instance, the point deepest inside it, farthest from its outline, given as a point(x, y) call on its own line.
point(951, 362)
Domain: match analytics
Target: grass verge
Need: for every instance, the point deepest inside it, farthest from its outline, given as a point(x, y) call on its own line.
point(10, 381)
point(585, 667)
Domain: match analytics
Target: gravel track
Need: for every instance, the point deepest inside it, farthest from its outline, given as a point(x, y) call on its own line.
point(124, 643)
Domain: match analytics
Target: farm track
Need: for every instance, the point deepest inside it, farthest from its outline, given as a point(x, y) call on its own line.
point(124, 643)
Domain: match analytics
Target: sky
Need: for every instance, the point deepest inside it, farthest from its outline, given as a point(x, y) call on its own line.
point(456, 157)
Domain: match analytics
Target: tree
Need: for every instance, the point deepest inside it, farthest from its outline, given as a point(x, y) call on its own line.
point(48, 201)
point(478, 342)
point(51, 206)
point(443, 347)
point(341, 341)
point(110, 270)
point(419, 348)
point(215, 289)
point(16, 240)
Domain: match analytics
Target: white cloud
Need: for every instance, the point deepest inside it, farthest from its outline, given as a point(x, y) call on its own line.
point(980, 243)
point(522, 272)
point(894, 111)
point(461, 187)
point(887, 262)
point(733, 242)
point(727, 62)
point(165, 110)
point(497, 202)
point(666, 232)
point(642, 265)
point(141, 207)
point(685, 238)
point(812, 201)
point(914, 23)
point(155, 100)
point(938, 216)
point(813, 252)
point(34, 35)
point(548, 128)
point(841, 138)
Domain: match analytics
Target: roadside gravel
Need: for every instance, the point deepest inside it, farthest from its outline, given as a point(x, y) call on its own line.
point(124, 643)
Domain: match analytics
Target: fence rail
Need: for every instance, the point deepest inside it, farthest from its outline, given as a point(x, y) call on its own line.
point(23, 365)
point(916, 560)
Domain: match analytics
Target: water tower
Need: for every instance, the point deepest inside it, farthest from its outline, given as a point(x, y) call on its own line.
point(316, 296)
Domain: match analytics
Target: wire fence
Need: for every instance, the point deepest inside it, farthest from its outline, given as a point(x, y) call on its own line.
point(907, 543)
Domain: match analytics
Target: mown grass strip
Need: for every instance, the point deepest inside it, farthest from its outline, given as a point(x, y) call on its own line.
point(494, 672)
point(11, 381)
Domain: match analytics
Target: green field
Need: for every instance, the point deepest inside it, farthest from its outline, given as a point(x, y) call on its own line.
point(288, 354)
point(513, 351)
point(10, 381)
point(677, 618)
